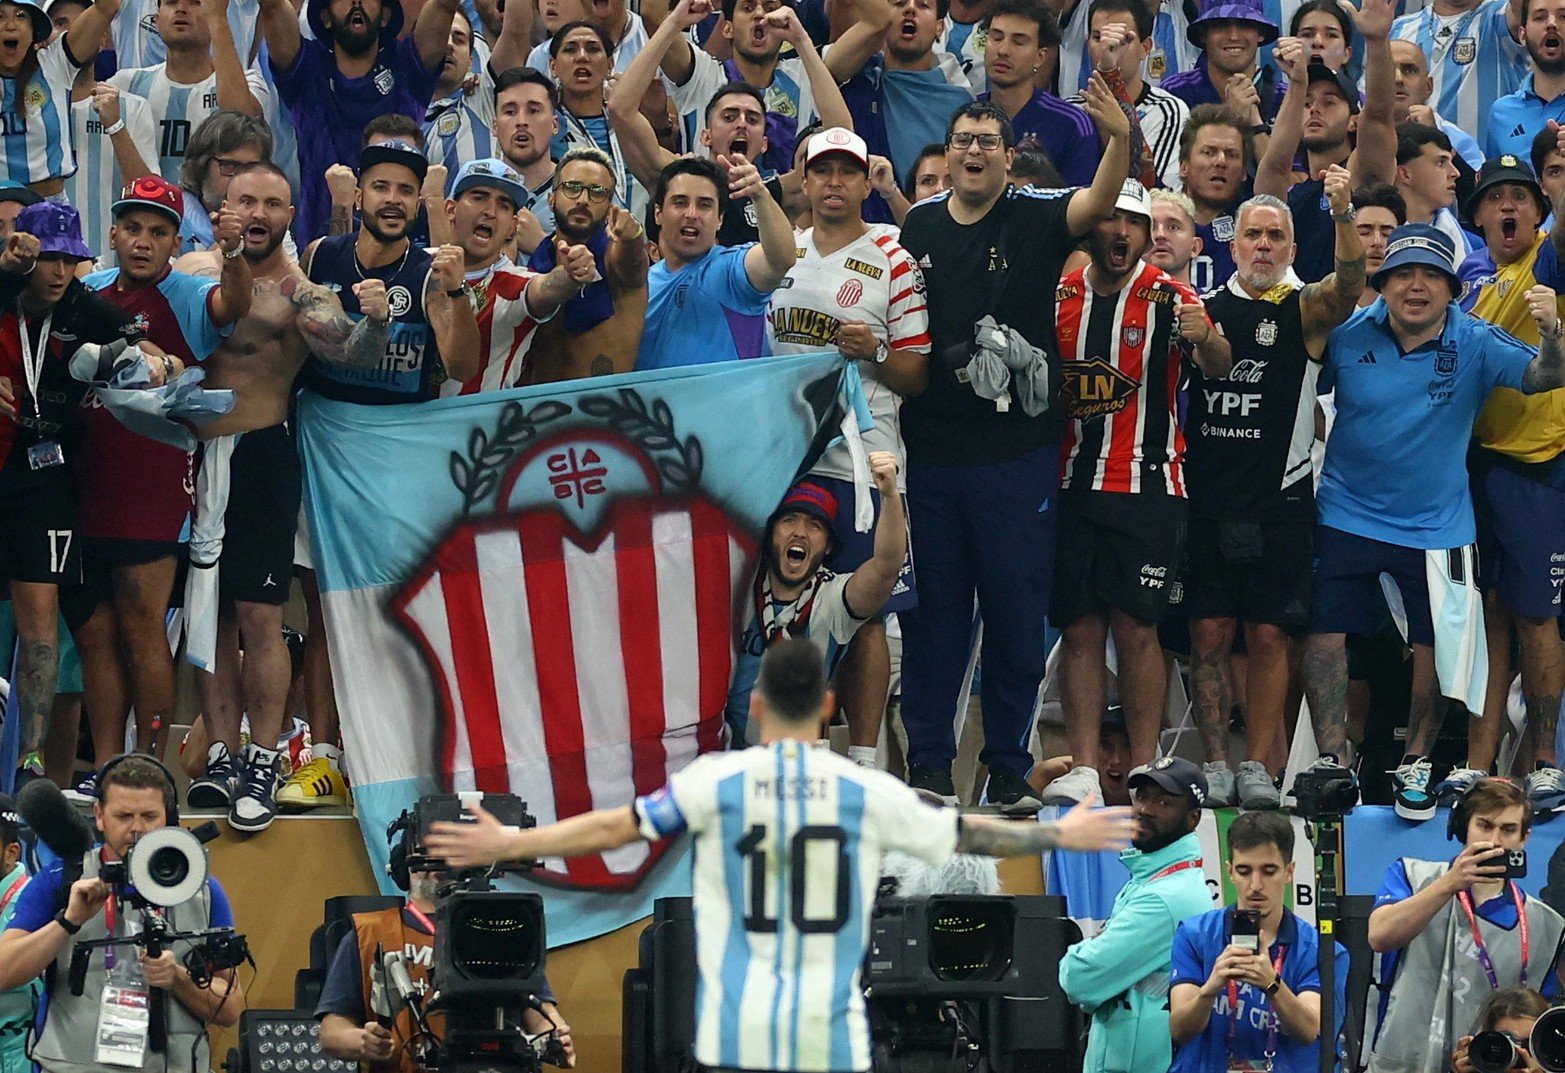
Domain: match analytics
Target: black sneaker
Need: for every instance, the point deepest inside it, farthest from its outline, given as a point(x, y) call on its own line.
point(254, 804)
point(1013, 795)
point(932, 783)
point(215, 788)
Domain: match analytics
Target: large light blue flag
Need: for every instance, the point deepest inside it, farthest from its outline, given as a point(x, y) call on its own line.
point(541, 591)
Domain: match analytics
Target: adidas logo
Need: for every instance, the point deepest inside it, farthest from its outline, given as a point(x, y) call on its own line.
point(1367, 359)
point(1519, 131)
point(924, 262)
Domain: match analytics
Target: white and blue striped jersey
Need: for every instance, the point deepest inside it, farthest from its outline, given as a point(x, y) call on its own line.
point(1473, 59)
point(181, 107)
point(1171, 52)
point(965, 41)
point(788, 844)
point(789, 95)
point(97, 182)
point(35, 119)
point(136, 39)
point(460, 127)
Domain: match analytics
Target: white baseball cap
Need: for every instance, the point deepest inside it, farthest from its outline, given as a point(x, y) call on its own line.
point(1133, 197)
point(837, 140)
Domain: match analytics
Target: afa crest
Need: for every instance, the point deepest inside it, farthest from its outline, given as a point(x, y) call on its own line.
point(1266, 333)
point(1465, 51)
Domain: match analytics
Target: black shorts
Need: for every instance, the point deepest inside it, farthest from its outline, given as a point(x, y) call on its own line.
point(1255, 572)
point(262, 516)
point(1116, 552)
point(1348, 596)
point(38, 538)
point(101, 556)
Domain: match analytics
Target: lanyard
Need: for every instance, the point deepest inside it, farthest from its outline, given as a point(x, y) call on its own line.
point(1271, 1027)
point(1466, 900)
point(5, 899)
point(32, 365)
point(1171, 869)
point(420, 916)
point(1436, 50)
point(578, 129)
point(108, 919)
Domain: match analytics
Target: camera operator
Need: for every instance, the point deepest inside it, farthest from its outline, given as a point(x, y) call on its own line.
point(1450, 932)
point(352, 1030)
point(16, 1005)
point(1120, 976)
point(136, 796)
point(1511, 1011)
point(1246, 979)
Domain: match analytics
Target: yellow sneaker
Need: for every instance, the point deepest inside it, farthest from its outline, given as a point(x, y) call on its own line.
point(313, 785)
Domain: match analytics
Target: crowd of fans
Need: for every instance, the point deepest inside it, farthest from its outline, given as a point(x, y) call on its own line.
point(1111, 276)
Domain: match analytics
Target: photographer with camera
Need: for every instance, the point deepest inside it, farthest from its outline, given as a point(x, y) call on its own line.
point(1504, 1033)
point(788, 847)
point(16, 1005)
point(1450, 932)
point(359, 1025)
point(1245, 982)
point(103, 1013)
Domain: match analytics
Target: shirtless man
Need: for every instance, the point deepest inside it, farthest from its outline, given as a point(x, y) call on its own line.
point(599, 330)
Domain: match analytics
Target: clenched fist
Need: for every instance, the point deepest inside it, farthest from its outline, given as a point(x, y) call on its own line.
point(1193, 324)
point(226, 229)
point(371, 294)
point(883, 469)
point(341, 183)
point(577, 261)
point(449, 268)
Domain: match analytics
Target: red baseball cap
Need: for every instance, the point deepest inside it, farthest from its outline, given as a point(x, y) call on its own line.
point(152, 192)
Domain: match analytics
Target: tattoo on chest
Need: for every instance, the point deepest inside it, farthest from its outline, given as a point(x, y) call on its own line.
point(602, 365)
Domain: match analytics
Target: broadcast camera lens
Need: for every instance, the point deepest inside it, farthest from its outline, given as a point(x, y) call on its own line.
point(970, 940)
point(1547, 1044)
point(1493, 1052)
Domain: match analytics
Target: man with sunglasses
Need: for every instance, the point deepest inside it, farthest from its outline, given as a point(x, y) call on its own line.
point(599, 329)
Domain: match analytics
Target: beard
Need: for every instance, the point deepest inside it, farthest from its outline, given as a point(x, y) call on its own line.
point(577, 236)
point(274, 239)
point(378, 230)
point(355, 42)
point(1265, 281)
point(1161, 837)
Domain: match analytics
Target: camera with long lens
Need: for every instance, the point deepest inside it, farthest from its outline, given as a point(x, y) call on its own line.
point(1496, 1052)
point(490, 947)
point(1546, 1044)
point(1325, 791)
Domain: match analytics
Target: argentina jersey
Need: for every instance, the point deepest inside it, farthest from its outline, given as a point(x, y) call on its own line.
point(1171, 52)
point(1473, 59)
point(180, 106)
point(35, 119)
point(459, 129)
point(98, 181)
point(788, 842)
point(138, 44)
point(410, 370)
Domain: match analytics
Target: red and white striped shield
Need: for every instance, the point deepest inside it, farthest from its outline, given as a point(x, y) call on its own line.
point(578, 670)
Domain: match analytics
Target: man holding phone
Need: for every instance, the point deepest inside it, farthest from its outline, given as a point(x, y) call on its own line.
point(1451, 932)
point(1245, 984)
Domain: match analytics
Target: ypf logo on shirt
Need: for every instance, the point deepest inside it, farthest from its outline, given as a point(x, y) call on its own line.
point(399, 300)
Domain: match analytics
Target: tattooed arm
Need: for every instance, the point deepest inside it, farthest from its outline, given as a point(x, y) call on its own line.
point(331, 334)
point(1324, 305)
point(1085, 827)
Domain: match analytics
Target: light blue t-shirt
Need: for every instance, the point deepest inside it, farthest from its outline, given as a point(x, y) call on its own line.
point(706, 311)
point(919, 105)
point(1516, 119)
point(1396, 462)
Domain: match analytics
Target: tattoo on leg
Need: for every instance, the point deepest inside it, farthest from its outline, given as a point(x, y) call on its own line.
point(1543, 715)
point(1326, 687)
point(36, 671)
point(1212, 702)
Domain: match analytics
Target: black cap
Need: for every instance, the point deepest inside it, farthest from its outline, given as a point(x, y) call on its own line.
point(394, 151)
point(1174, 774)
point(1319, 72)
point(11, 190)
point(1504, 168)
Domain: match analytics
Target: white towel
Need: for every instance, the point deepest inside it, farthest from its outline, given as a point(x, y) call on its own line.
point(206, 547)
point(1461, 655)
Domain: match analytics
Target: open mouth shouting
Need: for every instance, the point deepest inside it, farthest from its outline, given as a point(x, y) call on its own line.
point(908, 31)
point(739, 146)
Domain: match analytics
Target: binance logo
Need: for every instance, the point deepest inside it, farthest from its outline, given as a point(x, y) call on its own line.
point(1095, 389)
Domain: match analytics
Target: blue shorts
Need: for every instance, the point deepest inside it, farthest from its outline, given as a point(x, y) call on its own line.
point(1525, 561)
point(853, 549)
point(1347, 596)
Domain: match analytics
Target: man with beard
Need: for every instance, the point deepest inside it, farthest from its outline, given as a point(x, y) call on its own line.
point(1321, 115)
point(353, 70)
point(203, 73)
point(598, 330)
point(512, 302)
point(1517, 117)
point(580, 60)
point(1127, 964)
point(1122, 507)
point(526, 106)
point(1519, 488)
point(1175, 244)
point(134, 491)
point(855, 290)
point(795, 595)
point(1215, 151)
point(797, 90)
point(1252, 485)
point(1411, 374)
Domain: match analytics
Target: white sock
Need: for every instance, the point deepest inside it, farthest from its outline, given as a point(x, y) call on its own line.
point(863, 755)
point(332, 754)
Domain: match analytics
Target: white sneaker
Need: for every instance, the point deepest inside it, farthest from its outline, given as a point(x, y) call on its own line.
point(1075, 786)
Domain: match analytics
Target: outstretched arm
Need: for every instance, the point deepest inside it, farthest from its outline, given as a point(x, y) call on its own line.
point(1274, 174)
point(1324, 305)
point(235, 288)
point(1375, 159)
point(1096, 202)
point(331, 334)
point(81, 40)
point(280, 28)
point(871, 584)
point(1086, 827)
point(484, 841)
point(767, 262)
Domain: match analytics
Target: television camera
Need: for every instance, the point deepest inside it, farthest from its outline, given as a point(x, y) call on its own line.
point(489, 952)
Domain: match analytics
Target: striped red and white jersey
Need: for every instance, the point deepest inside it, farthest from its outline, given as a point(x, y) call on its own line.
point(1122, 360)
point(628, 634)
point(872, 280)
point(505, 331)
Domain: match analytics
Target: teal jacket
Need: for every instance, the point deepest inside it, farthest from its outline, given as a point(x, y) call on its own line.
point(16, 1005)
point(1120, 976)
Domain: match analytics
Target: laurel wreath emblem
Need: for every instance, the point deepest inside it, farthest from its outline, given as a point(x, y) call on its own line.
point(679, 462)
point(478, 473)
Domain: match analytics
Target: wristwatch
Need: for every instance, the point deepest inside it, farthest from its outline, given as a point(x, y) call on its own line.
point(1347, 217)
point(882, 351)
point(70, 929)
point(1271, 988)
point(459, 292)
